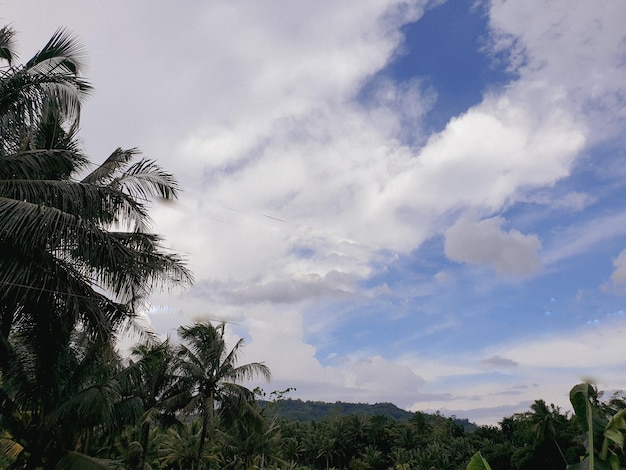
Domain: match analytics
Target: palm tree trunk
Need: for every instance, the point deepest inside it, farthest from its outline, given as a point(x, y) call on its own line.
point(145, 436)
point(559, 449)
point(208, 424)
point(205, 425)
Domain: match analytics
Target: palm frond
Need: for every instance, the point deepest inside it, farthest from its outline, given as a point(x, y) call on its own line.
point(7, 44)
point(145, 179)
point(26, 98)
point(119, 159)
point(250, 371)
point(63, 98)
point(34, 283)
point(9, 447)
point(41, 164)
point(34, 226)
point(63, 53)
point(91, 202)
point(77, 461)
point(93, 404)
point(20, 378)
point(101, 205)
point(130, 327)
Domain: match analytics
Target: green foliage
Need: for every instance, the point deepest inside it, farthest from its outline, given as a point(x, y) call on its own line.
point(477, 462)
point(75, 261)
point(81, 244)
point(604, 438)
point(306, 411)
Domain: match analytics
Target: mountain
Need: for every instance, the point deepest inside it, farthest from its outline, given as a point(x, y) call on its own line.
point(306, 411)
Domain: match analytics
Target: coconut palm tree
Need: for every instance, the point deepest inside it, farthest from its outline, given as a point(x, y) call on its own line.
point(178, 448)
point(544, 421)
point(152, 375)
point(56, 424)
point(213, 374)
point(251, 440)
point(76, 250)
point(30, 95)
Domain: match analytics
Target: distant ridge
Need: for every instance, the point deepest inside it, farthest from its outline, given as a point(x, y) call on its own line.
point(306, 411)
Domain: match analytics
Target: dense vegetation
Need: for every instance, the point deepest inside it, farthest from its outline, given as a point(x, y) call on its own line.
point(307, 411)
point(77, 260)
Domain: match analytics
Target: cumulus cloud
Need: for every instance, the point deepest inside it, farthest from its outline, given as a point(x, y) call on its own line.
point(485, 243)
point(400, 383)
point(279, 338)
point(485, 157)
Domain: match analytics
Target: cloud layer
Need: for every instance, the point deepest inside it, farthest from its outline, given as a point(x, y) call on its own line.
point(306, 201)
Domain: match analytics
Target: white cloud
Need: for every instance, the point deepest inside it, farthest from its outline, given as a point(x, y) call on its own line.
point(619, 274)
point(485, 157)
point(378, 379)
point(277, 133)
point(530, 368)
point(299, 288)
point(576, 47)
point(571, 201)
point(278, 337)
point(588, 348)
point(485, 243)
point(271, 128)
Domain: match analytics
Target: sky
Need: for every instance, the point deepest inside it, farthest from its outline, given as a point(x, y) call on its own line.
point(408, 201)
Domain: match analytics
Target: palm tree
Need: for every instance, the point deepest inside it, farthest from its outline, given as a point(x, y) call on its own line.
point(544, 421)
point(75, 250)
point(29, 96)
point(76, 253)
point(152, 375)
point(252, 440)
point(373, 458)
point(213, 374)
point(178, 448)
point(58, 425)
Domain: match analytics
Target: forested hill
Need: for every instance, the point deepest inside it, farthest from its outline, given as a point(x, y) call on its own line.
point(306, 411)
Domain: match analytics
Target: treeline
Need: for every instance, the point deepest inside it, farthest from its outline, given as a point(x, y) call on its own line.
point(305, 411)
point(542, 438)
point(162, 408)
point(174, 425)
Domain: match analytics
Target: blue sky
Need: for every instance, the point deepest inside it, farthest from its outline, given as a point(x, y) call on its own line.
point(415, 201)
